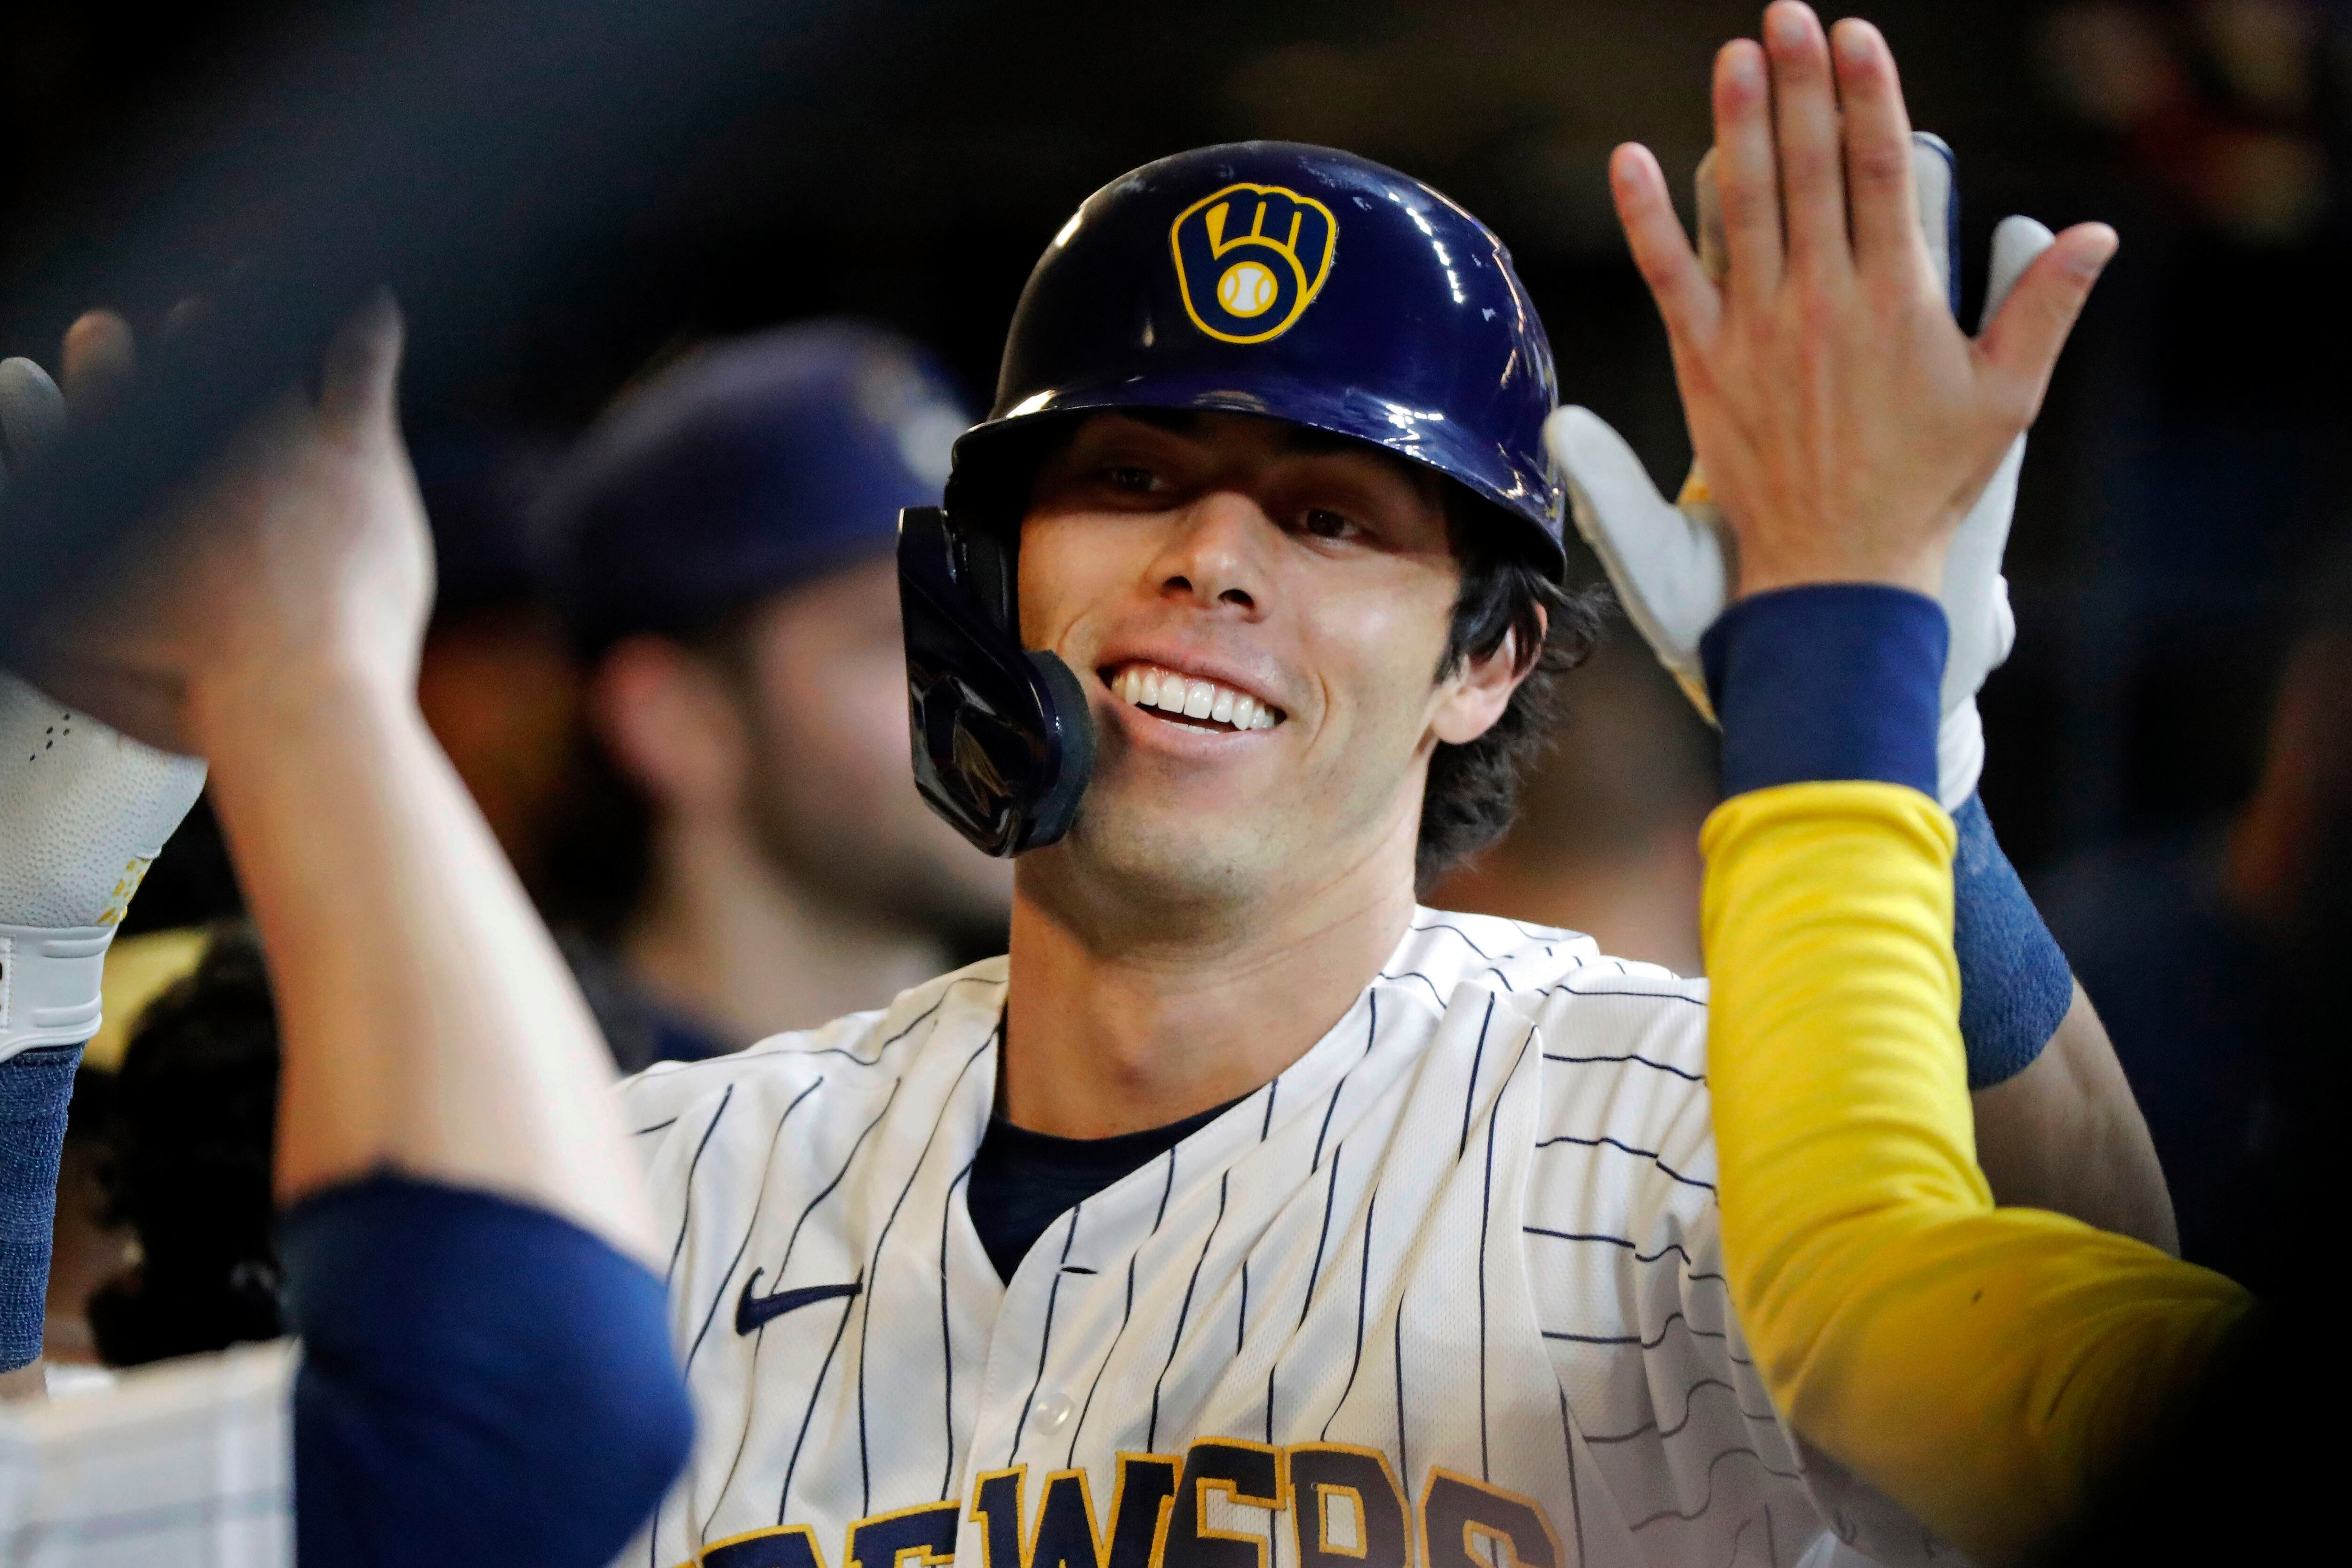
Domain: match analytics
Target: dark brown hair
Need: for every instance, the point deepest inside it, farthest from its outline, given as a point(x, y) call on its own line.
point(1473, 792)
point(187, 1165)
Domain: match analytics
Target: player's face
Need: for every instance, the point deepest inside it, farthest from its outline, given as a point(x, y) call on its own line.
point(827, 701)
point(1257, 613)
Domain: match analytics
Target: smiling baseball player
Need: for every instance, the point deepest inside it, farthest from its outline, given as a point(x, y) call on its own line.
point(1248, 1215)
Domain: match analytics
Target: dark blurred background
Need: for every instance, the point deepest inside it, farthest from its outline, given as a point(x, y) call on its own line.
point(2176, 535)
point(2181, 479)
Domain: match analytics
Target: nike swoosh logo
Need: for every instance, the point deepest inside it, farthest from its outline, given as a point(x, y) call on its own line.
point(752, 1309)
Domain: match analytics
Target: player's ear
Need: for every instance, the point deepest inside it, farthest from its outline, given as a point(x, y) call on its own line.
point(670, 724)
point(1473, 697)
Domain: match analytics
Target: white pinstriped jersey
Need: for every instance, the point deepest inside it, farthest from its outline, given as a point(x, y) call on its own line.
point(188, 1462)
point(1446, 1293)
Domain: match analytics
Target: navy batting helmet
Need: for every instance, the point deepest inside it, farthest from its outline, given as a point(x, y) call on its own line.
point(1297, 282)
point(1263, 278)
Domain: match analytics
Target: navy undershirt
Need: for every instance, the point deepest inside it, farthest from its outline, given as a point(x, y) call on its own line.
point(1023, 1181)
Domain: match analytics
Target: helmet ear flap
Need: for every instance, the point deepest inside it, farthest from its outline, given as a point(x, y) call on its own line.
point(1003, 735)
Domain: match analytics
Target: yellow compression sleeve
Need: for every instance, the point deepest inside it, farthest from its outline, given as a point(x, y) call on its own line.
point(1983, 1366)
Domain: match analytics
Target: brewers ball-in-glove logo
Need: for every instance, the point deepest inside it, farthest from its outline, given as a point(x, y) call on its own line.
point(1251, 259)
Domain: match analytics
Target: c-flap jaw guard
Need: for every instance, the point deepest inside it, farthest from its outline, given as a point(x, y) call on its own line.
point(1003, 740)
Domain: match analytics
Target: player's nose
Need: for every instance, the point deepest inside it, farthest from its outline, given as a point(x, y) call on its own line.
point(1213, 554)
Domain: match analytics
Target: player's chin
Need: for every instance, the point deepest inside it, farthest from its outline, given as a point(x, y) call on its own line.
point(1179, 788)
point(1166, 848)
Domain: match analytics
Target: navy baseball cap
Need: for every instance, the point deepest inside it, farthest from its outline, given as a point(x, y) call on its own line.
point(751, 467)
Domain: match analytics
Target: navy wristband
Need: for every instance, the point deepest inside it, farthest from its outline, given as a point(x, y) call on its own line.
point(1831, 681)
point(36, 1087)
point(2015, 984)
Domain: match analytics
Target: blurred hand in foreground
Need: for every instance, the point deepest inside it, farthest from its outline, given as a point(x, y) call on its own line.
point(297, 565)
point(1844, 420)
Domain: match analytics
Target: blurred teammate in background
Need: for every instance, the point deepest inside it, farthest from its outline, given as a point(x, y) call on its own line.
point(755, 855)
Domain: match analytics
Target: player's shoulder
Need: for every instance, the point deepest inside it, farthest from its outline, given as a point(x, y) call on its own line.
point(1587, 1010)
point(1544, 969)
point(1616, 1053)
point(853, 1048)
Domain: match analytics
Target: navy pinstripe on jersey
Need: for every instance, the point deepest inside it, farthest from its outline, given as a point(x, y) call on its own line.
point(186, 1461)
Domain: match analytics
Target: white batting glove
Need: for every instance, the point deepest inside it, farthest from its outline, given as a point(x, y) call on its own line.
point(83, 809)
point(1668, 560)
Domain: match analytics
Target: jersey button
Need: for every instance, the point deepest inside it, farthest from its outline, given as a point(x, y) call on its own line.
point(1052, 1412)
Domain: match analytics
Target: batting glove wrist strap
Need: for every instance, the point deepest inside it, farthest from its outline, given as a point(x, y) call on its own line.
point(49, 985)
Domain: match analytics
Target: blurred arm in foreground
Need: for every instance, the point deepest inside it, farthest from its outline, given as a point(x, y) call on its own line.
point(484, 1373)
point(1987, 1367)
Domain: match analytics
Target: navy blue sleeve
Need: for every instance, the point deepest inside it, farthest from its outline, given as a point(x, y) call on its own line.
point(482, 1383)
point(1842, 681)
point(36, 1087)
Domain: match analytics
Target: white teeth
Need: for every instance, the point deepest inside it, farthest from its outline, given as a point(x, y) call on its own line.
point(1147, 686)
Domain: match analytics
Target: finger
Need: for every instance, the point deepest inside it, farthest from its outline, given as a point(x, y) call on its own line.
point(32, 415)
point(1685, 299)
point(2017, 243)
point(363, 367)
point(186, 316)
point(1879, 184)
point(1713, 259)
point(2021, 344)
point(1747, 174)
point(1805, 116)
point(100, 355)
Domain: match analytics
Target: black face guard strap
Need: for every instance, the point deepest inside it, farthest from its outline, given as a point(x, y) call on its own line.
point(1003, 740)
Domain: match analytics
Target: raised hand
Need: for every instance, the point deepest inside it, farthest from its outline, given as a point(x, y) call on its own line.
point(1844, 420)
point(83, 809)
point(300, 556)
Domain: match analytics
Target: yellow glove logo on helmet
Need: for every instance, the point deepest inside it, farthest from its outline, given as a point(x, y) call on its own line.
point(1250, 259)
